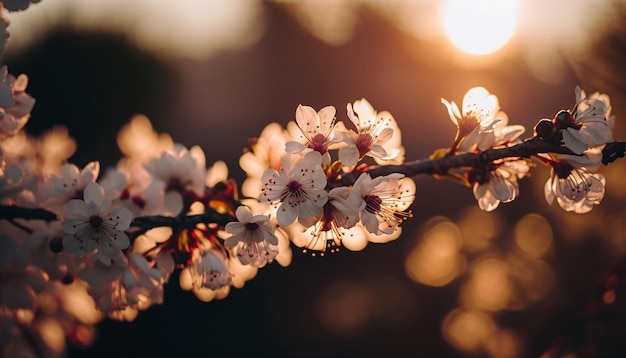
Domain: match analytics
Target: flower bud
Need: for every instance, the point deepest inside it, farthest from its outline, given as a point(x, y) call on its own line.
point(563, 119)
point(545, 129)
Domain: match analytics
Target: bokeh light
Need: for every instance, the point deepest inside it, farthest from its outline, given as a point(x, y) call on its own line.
point(436, 261)
point(533, 235)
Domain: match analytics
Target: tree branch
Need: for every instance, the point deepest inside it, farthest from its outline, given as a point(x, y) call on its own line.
point(12, 212)
point(441, 166)
point(180, 222)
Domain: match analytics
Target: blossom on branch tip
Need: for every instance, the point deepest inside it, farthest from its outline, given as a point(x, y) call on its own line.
point(253, 239)
point(377, 135)
point(480, 110)
point(573, 182)
point(383, 201)
point(92, 224)
point(297, 188)
point(590, 125)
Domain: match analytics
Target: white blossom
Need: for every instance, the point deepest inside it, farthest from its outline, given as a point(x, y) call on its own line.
point(92, 224)
point(591, 124)
point(15, 103)
point(208, 269)
point(382, 201)
point(252, 239)
point(573, 182)
point(297, 188)
point(500, 183)
point(377, 135)
point(318, 130)
point(480, 109)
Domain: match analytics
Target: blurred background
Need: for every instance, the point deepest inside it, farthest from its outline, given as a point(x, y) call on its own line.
point(520, 281)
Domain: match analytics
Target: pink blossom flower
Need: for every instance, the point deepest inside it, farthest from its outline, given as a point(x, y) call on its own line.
point(317, 130)
point(252, 239)
point(15, 103)
point(377, 136)
point(382, 201)
point(298, 189)
point(92, 224)
point(573, 182)
point(480, 110)
point(590, 125)
point(499, 185)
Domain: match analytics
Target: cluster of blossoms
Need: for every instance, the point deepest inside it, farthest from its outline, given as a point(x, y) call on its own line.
point(76, 245)
point(573, 182)
point(301, 184)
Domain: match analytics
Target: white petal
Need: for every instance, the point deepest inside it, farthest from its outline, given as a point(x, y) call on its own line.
point(547, 191)
point(285, 215)
point(76, 209)
point(93, 192)
point(72, 245)
point(348, 156)
point(574, 140)
point(293, 147)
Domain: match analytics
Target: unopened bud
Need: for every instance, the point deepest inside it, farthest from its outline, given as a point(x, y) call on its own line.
point(563, 119)
point(545, 129)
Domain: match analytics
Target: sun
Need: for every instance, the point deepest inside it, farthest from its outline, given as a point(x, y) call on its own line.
point(479, 27)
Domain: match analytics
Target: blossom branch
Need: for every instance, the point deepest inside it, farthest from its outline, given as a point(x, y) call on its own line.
point(180, 222)
point(12, 212)
point(441, 166)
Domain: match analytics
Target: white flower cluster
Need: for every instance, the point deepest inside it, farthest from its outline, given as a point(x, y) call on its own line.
point(584, 130)
point(302, 168)
point(573, 181)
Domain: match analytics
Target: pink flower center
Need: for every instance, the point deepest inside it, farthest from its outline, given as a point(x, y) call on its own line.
point(363, 143)
point(373, 203)
point(562, 169)
point(319, 143)
point(95, 221)
point(175, 184)
point(293, 186)
point(251, 226)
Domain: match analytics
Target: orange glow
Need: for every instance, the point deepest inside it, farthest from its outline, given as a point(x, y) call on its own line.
point(609, 297)
point(478, 228)
point(436, 260)
point(533, 235)
point(52, 334)
point(467, 330)
point(503, 343)
point(479, 27)
point(534, 277)
point(489, 288)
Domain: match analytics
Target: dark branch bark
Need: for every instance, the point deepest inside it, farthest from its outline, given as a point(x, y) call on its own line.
point(610, 153)
point(181, 222)
point(441, 166)
point(12, 212)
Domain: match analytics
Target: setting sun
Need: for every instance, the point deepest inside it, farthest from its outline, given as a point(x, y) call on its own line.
point(479, 27)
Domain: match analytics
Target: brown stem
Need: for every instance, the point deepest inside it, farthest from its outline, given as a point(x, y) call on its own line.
point(181, 222)
point(526, 149)
point(441, 166)
point(12, 212)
